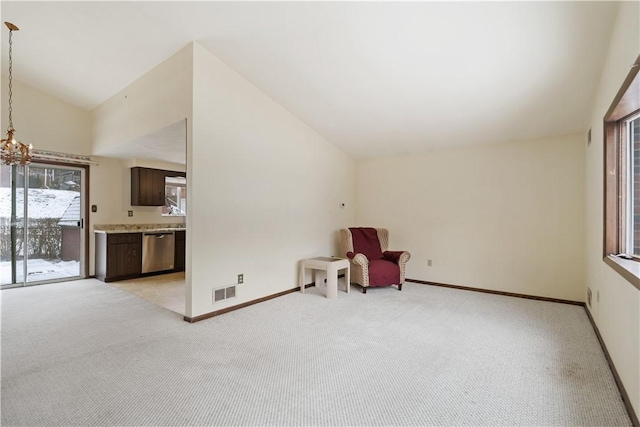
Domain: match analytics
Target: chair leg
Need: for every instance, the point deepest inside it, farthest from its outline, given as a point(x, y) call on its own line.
point(364, 290)
point(400, 287)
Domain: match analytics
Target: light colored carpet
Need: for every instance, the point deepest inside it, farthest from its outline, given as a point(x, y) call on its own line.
point(86, 353)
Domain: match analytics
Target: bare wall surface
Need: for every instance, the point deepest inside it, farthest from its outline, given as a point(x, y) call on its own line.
point(505, 217)
point(265, 189)
point(45, 121)
point(157, 99)
point(616, 302)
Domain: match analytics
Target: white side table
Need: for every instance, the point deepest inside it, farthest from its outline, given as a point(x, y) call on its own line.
point(326, 268)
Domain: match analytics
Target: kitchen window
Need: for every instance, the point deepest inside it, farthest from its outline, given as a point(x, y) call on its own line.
point(175, 196)
point(622, 178)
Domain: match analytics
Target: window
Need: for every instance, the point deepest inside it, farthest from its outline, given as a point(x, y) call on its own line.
point(622, 172)
point(175, 200)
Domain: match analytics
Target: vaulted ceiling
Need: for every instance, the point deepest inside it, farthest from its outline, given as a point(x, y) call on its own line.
point(373, 78)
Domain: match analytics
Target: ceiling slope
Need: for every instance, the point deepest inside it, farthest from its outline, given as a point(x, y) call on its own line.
point(373, 78)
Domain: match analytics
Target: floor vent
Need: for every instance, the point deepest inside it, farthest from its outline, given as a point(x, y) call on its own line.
point(224, 293)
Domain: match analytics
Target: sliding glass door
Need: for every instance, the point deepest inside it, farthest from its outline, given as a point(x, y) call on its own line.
point(41, 223)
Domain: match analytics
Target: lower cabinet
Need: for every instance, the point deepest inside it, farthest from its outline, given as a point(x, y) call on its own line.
point(180, 251)
point(118, 256)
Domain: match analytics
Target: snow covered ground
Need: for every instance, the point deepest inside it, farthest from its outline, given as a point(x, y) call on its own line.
point(40, 269)
point(43, 203)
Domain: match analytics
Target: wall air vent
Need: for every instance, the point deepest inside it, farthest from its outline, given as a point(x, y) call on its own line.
point(218, 295)
point(230, 292)
point(222, 294)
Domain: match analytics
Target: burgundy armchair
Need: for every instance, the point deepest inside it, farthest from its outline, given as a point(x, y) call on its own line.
point(371, 263)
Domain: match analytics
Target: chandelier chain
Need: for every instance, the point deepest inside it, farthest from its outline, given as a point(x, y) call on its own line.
point(10, 78)
point(12, 151)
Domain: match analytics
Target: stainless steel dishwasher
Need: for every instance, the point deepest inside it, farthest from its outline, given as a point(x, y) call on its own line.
point(157, 251)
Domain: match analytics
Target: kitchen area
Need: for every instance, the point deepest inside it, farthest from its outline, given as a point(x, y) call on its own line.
point(148, 259)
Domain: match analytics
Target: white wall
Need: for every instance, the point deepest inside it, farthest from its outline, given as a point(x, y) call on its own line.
point(505, 217)
point(264, 190)
point(45, 121)
point(158, 99)
point(617, 313)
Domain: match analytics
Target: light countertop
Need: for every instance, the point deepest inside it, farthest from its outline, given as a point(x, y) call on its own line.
point(136, 228)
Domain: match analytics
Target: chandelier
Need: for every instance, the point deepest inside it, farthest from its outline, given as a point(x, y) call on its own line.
point(13, 152)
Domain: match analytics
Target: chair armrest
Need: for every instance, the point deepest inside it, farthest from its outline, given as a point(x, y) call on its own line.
point(396, 256)
point(358, 258)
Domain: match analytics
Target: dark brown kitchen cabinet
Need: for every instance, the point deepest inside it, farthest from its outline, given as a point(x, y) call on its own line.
point(147, 186)
point(118, 256)
point(180, 251)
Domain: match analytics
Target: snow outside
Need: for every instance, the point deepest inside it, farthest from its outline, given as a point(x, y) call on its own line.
point(53, 215)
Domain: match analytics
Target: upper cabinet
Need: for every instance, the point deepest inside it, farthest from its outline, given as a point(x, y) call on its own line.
point(148, 186)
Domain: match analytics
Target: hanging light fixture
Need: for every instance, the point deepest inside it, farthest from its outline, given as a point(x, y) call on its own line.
point(13, 152)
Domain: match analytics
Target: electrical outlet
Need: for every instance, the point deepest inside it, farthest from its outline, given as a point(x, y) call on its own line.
point(240, 279)
point(130, 213)
point(429, 263)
